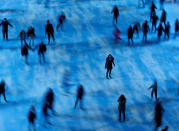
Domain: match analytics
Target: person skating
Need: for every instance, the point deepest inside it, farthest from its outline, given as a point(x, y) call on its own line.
point(117, 33)
point(160, 29)
point(45, 112)
point(31, 118)
point(167, 30)
point(176, 27)
point(158, 115)
point(61, 20)
point(79, 97)
point(49, 31)
point(145, 27)
point(163, 17)
point(5, 23)
point(154, 22)
point(25, 52)
point(154, 89)
point(49, 99)
point(136, 28)
point(22, 36)
point(152, 10)
point(115, 12)
point(31, 35)
point(41, 51)
point(109, 65)
point(122, 106)
point(2, 90)
point(130, 35)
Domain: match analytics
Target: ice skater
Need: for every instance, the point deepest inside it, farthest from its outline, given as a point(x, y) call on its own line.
point(167, 31)
point(176, 27)
point(115, 12)
point(79, 97)
point(25, 52)
point(163, 17)
point(22, 36)
point(158, 115)
point(49, 99)
point(145, 27)
point(61, 20)
point(49, 31)
point(122, 106)
point(45, 113)
point(130, 35)
point(31, 35)
point(160, 29)
point(5, 23)
point(2, 90)
point(154, 89)
point(41, 51)
point(154, 21)
point(31, 119)
point(109, 65)
point(152, 10)
point(136, 28)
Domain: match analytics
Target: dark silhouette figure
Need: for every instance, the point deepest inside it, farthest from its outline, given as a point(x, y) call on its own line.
point(145, 27)
point(45, 112)
point(130, 35)
point(122, 106)
point(152, 10)
point(41, 51)
point(176, 27)
point(108, 65)
point(160, 29)
point(2, 90)
point(158, 115)
point(79, 97)
point(136, 28)
point(117, 33)
point(167, 30)
point(49, 31)
point(163, 17)
point(49, 99)
point(5, 23)
point(61, 20)
point(25, 52)
point(31, 35)
point(31, 118)
point(165, 129)
point(115, 12)
point(22, 36)
point(154, 21)
point(154, 89)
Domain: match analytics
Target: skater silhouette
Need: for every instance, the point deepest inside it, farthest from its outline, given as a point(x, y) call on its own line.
point(160, 29)
point(176, 27)
point(152, 10)
point(122, 106)
point(158, 115)
point(5, 23)
point(154, 21)
point(49, 31)
point(31, 119)
point(61, 20)
point(108, 65)
point(163, 17)
point(130, 35)
point(25, 52)
point(41, 52)
point(115, 12)
point(145, 27)
point(31, 35)
point(79, 97)
point(167, 30)
point(49, 99)
point(154, 89)
point(22, 36)
point(136, 28)
point(2, 90)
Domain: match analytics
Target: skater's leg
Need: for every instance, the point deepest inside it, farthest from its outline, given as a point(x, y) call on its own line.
point(119, 114)
point(107, 73)
point(156, 95)
point(6, 35)
point(152, 94)
point(52, 34)
point(48, 38)
point(124, 116)
point(4, 97)
point(110, 73)
point(3, 35)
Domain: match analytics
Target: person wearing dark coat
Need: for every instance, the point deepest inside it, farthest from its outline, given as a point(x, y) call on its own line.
point(115, 12)
point(5, 23)
point(122, 106)
point(45, 112)
point(154, 22)
point(130, 35)
point(136, 28)
point(163, 17)
point(167, 30)
point(158, 115)
point(79, 97)
point(25, 52)
point(41, 50)
point(31, 118)
point(61, 20)
point(176, 27)
point(2, 90)
point(49, 31)
point(109, 65)
point(31, 35)
point(145, 27)
point(160, 29)
point(152, 10)
point(154, 89)
point(22, 36)
point(50, 99)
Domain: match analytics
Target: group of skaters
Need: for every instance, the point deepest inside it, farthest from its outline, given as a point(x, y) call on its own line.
point(30, 36)
point(162, 27)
